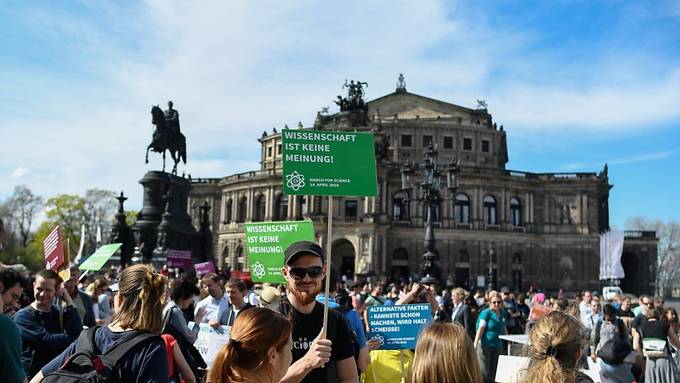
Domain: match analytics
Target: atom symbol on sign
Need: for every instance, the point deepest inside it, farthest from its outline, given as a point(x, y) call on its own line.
point(380, 338)
point(295, 180)
point(258, 269)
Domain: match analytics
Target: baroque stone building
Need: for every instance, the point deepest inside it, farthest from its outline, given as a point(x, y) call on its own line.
point(516, 227)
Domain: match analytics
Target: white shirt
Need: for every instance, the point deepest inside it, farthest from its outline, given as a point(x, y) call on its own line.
point(586, 314)
point(215, 309)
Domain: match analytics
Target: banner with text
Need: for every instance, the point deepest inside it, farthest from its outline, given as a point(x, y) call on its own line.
point(179, 258)
point(97, 260)
point(266, 242)
point(204, 268)
point(397, 327)
point(210, 340)
point(328, 163)
point(54, 250)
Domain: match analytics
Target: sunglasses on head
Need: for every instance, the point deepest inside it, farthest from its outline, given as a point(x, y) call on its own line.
point(300, 272)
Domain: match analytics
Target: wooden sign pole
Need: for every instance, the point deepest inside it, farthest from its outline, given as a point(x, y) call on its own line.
point(329, 240)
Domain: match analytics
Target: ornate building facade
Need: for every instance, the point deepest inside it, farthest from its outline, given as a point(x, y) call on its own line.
point(516, 228)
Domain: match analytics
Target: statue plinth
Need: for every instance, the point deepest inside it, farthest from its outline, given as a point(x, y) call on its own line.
point(163, 222)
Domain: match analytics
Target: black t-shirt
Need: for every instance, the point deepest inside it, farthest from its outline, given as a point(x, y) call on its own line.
point(306, 327)
point(625, 314)
point(655, 329)
point(638, 321)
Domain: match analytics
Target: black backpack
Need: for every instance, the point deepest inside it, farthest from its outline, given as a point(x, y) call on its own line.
point(89, 365)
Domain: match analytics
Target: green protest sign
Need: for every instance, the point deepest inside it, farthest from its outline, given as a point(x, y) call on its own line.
point(97, 260)
point(328, 163)
point(266, 242)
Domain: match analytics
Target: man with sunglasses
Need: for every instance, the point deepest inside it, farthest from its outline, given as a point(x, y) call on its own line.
point(12, 284)
point(314, 359)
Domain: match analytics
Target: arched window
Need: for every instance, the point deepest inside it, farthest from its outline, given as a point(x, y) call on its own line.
point(490, 217)
point(242, 209)
point(517, 259)
point(461, 210)
point(281, 209)
point(228, 211)
point(463, 257)
point(400, 211)
point(260, 206)
point(515, 212)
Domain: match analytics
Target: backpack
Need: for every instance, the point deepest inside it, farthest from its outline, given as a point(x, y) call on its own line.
point(89, 365)
point(614, 348)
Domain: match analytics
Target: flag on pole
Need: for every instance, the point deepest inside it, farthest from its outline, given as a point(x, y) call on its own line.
point(611, 249)
point(82, 244)
point(54, 250)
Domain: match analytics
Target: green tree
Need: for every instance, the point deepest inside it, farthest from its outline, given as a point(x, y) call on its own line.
point(67, 211)
point(668, 250)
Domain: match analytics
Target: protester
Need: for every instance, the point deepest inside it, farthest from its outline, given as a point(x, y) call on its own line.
point(314, 359)
point(12, 284)
point(660, 366)
point(610, 341)
point(671, 316)
point(646, 305)
point(444, 354)
point(45, 330)
point(178, 368)
point(555, 349)
point(490, 325)
point(138, 310)
point(586, 309)
point(462, 313)
point(237, 291)
point(94, 290)
point(182, 293)
point(259, 349)
point(215, 304)
point(625, 311)
point(82, 302)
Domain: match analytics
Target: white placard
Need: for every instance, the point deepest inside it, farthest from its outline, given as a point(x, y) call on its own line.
point(210, 340)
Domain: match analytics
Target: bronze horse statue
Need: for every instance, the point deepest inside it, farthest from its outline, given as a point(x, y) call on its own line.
point(166, 137)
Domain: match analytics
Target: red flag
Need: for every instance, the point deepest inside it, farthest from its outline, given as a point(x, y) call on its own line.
point(54, 250)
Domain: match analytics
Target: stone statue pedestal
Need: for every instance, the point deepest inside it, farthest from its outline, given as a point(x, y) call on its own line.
point(163, 221)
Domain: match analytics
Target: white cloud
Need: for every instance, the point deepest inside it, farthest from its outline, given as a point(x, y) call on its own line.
point(20, 172)
point(572, 166)
point(235, 69)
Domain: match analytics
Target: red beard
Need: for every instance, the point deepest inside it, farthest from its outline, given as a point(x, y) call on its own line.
point(304, 297)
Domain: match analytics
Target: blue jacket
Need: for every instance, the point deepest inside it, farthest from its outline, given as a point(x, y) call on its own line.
point(42, 337)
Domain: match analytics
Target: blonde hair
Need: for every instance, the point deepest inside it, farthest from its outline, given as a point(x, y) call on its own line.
point(444, 354)
point(555, 346)
point(141, 289)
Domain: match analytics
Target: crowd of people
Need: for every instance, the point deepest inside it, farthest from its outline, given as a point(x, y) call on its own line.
point(140, 325)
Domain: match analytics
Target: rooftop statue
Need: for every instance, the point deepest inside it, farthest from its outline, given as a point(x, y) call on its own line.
point(355, 97)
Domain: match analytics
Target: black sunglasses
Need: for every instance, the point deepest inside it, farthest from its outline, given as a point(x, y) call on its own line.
point(300, 272)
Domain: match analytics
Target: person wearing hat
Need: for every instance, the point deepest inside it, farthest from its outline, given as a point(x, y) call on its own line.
point(314, 359)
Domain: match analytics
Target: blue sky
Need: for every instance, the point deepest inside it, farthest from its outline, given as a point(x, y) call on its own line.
point(575, 83)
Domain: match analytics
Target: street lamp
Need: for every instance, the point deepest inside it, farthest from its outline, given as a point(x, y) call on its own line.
point(429, 186)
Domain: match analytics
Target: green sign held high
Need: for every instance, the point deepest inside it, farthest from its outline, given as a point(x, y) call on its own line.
point(97, 260)
point(266, 242)
point(329, 163)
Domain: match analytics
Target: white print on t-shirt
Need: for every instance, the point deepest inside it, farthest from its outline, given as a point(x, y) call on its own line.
point(301, 344)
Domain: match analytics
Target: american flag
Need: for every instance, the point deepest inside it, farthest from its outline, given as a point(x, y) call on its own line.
point(54, 251)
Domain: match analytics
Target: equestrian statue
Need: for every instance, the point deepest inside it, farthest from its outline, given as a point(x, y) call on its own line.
point(167, 136)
